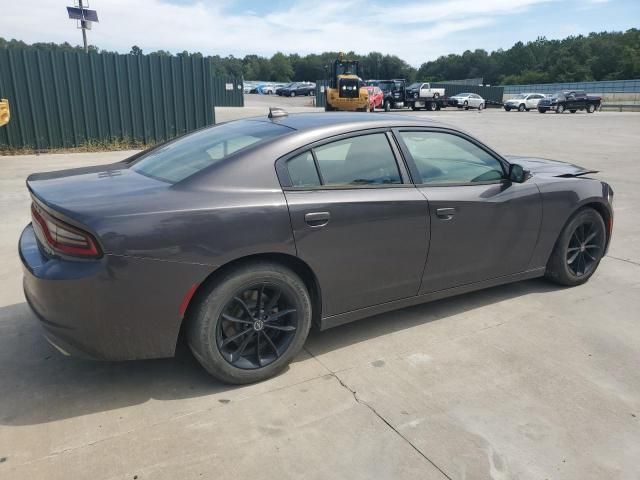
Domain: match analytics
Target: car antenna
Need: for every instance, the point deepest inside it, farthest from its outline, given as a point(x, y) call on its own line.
point(275, 112)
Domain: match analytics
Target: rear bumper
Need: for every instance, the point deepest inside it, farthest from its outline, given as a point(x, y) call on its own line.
point(112, 308)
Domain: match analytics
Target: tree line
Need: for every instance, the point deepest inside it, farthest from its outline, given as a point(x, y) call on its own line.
point(597, 56)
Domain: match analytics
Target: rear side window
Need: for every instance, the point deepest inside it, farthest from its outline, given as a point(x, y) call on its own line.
point(362, 160)
point(192, 153)
point(302, 171)
point(445, 158)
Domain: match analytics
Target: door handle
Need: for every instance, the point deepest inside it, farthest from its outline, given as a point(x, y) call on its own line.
point(446, 213)
point(317, 219)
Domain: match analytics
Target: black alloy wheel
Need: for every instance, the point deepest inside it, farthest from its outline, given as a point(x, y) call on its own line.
point(579, 249)
point(249, 323)
point(256, 326)
point(585, 249)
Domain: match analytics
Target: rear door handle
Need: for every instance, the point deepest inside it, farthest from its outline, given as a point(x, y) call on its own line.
point(317, 219)
point(446, 213)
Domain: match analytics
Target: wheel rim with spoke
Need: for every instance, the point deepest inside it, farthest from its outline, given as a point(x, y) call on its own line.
point(585, 249)
point(257, 326)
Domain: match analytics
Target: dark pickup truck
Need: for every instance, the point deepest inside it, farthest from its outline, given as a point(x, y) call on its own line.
point(572, 100)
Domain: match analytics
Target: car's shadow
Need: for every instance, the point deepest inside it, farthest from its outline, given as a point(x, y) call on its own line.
point(39, 385)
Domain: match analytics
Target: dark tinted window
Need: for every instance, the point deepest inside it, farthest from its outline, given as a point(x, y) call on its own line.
point(362, 160)
point(182, 158)
point(302, 171)
point(446, 158)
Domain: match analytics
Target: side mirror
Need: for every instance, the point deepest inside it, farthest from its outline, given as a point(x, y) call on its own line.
point(517, 174)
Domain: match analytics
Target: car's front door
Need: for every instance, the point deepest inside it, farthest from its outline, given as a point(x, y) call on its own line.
point(357, 220)
point(483, 226)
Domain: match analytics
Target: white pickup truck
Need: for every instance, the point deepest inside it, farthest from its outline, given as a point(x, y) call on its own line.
point(423, 91)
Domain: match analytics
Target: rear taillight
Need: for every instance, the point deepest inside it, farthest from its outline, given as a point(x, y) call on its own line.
point(62, 237)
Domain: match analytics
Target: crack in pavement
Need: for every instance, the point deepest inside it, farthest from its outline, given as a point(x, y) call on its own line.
point(632, 262)
point(377, 414)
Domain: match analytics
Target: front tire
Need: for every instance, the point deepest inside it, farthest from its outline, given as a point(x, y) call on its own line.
point(578, 250)
point(292, 94)
point(542, 110)
point(251, 323)
point(387, 105)
point(521, 107)
point(466, 105)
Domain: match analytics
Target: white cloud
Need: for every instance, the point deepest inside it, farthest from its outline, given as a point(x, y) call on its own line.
point(416, 31)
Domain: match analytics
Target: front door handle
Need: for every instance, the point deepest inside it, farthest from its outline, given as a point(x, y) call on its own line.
point(317, 219)
point(446, 213)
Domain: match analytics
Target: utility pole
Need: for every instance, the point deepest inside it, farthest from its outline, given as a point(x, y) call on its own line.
point(83, 27)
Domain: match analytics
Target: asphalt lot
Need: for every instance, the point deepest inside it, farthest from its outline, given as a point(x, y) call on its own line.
point(526, 381)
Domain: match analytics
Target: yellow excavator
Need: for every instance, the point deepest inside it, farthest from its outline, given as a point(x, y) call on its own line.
point(5, 114)
point(346, 90)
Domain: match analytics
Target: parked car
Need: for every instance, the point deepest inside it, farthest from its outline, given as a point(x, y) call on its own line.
point(523, 101)
point(422, 91)
point(394, 93)
point(248, 86)
point(298, 89)
point(245, 233)
point(467, 101)
point(376, 97)
point(269, 89)
point(572, 100)
point(279, 89)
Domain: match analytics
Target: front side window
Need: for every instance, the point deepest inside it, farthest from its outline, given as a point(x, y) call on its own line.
point(443, 158)
point(192, 153)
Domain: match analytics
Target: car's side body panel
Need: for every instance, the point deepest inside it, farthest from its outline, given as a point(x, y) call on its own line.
point(372, 249)
point(490, 233)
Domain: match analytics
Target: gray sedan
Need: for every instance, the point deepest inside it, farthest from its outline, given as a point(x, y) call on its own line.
point(246, 234)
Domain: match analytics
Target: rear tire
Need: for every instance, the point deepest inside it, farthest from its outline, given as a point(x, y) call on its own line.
point(270, 341)
point(591, 108)
point(578, 250)
point(432, 106)
point(481, 106)
point(573, 111)
point(508, 109)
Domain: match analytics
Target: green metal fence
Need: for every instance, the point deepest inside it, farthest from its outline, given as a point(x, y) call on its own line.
point(227, 92)
point(65, 99)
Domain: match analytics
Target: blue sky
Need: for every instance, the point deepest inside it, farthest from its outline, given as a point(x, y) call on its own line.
point(415, 30)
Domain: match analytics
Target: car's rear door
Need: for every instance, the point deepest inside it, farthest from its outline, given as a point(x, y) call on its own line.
point(483, 226)
point(357, 220)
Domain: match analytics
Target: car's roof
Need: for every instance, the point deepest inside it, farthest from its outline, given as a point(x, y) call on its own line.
point(348, 120)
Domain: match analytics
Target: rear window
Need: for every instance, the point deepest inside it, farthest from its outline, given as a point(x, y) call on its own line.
point(192, 153)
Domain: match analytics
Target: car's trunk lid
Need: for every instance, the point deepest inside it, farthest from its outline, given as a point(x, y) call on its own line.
point(98, 191)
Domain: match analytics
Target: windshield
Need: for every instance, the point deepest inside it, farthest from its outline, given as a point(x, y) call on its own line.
point(386, 85)
point(179, 159)
point(520, 96)
point(559, 94)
